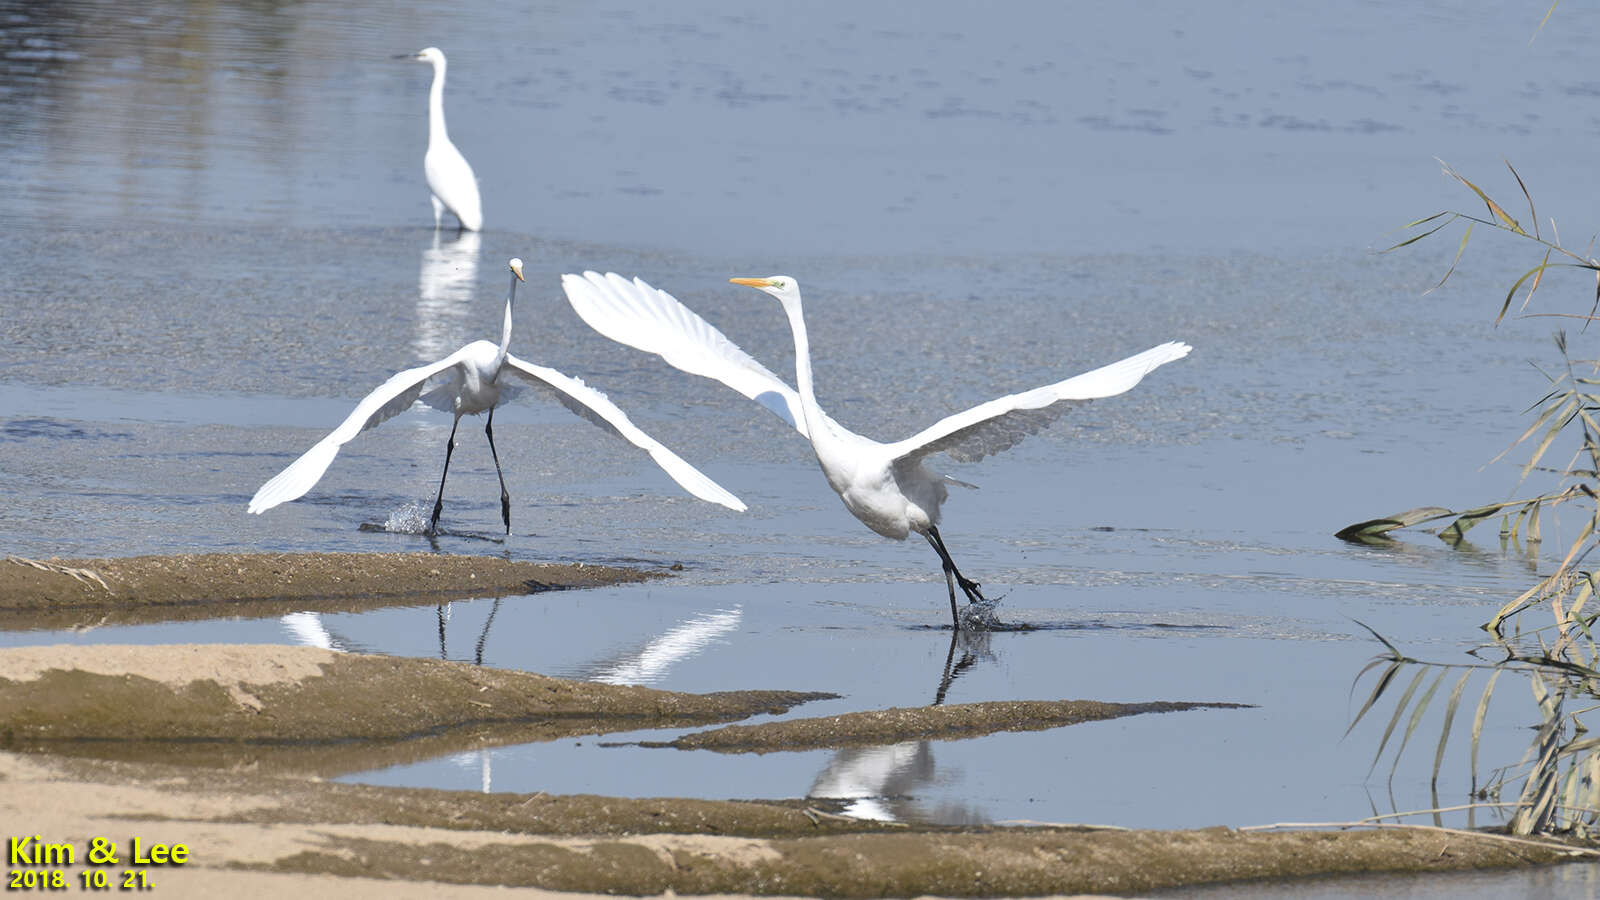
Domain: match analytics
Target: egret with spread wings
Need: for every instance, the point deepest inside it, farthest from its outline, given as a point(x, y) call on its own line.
point(886, 486)
point(473, 384)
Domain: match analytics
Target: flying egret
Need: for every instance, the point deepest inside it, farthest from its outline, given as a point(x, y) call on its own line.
point(473, 386)
point(886, 486)
point(450, 179)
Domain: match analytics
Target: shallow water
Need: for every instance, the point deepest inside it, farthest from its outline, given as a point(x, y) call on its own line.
point(217, 240)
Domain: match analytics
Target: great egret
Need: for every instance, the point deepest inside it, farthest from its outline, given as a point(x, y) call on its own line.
point(886, 486)
point(450, 179)
point(474, 386)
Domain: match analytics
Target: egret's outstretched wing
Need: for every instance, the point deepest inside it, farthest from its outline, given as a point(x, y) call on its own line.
point(598, 408)
point(390, 399)
point(652, 320)
point(999, 424)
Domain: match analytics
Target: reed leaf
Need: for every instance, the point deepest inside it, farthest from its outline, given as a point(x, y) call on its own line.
point(1464, 521)
point(1449, 720)
point(1477, 721)
point(1547, 14)
point(1417, 710)
point(1570, 406)
point(1535, 272)
point(1399, 710)
point(1494, 208)
point(1377, 691)
point(1414, 238)
point(1533, 215)
point(1374, 527)
point(1465, 236)
point(1539, 791)
point(1526, 598)
point(1539, 278)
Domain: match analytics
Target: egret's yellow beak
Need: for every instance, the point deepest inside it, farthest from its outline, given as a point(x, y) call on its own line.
point(757, 283)
point(516, 269)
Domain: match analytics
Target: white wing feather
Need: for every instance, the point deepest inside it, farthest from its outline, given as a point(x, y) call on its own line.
point(389, 399)
point(598, 408)
point(999, 424)
point(652, 320)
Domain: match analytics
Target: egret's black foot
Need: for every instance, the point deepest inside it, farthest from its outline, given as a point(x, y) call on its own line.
point(505, 512)
point(972, 590)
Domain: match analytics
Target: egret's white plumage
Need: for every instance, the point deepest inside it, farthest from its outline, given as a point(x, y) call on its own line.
point(886, 486)
point(473, 385)
point(450, 178)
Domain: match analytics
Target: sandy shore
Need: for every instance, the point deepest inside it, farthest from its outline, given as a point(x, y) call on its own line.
point(225, 748)
point(222, 748)
point(249, 834)
point(80, 593)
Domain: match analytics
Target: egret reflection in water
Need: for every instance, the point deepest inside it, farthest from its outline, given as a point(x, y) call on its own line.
point(445, 287)
point(882, 782)
point(650, 663)
point(647, 665)
point(443, 614)
point(308, 630)
point(482, 760)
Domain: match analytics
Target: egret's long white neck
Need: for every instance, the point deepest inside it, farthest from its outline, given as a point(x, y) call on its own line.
point(505, 331)
point(436, 131)
point(815, 420)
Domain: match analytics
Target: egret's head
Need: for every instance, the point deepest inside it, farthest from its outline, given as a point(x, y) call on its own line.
point(516, 268)
point(426, 54)
point(781, 286)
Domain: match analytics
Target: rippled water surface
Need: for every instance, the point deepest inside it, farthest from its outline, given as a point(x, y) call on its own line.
point(217, 239)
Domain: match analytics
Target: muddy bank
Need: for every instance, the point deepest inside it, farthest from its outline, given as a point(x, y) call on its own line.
point(279, 706)
point(920, 723)
point(251, 825)
point(74, 593)
point(285, 827)
point(316, 711)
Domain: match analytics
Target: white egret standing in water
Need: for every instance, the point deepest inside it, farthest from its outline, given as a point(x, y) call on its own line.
point(450, 178)
point(473, 386)
point(886, 486)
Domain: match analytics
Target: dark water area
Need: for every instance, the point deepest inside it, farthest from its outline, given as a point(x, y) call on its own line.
point(217, 239)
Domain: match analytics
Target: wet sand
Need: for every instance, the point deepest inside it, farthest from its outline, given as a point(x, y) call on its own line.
point(224, 748)
point(305, 709)
point(919, 723)
point(76, 593)
point(240, 826)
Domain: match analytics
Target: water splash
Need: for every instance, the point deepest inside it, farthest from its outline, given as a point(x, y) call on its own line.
point(979, 616)
point(407, 519)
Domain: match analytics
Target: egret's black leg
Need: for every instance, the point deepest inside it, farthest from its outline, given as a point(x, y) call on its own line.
point(505, 498)
point(949, 581)
point(438, 502)
point(968, 586)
